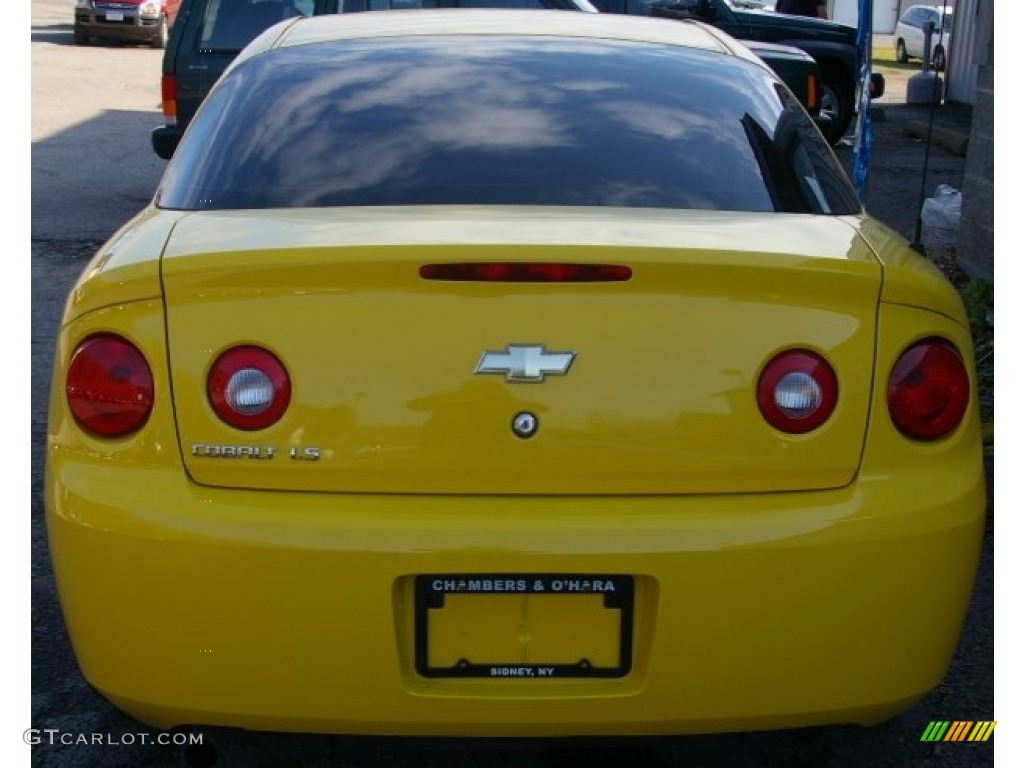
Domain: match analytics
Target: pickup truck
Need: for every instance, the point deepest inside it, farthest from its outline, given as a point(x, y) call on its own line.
point(832, 45)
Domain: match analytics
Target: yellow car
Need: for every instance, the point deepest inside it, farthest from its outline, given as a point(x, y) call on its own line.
point(510, 373)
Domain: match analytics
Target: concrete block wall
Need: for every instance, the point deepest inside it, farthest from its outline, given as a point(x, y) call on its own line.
point(975, 240)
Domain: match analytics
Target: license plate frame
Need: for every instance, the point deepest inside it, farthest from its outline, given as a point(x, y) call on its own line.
point(618, 593)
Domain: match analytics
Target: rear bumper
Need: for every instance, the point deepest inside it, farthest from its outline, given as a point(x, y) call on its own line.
point(192, 605)
point(165, 140)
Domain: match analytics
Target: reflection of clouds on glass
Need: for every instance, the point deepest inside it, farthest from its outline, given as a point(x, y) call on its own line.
point(301, 112)
point(663, 122)
point(589, 86)
point(643, 196)
point(403, 85)
point(763, 99)
point(366, 163)
point(671, 123)
point(492, 122)
point(497, 127)
point(686, 129)
point(744, 82)
point(455, 105)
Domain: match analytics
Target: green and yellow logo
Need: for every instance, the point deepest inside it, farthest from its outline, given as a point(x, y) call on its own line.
point(958, 730)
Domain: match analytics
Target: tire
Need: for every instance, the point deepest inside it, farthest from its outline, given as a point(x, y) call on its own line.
point(939, 59)
point(80, 37)
point(162, 33)
point(901, 52)
point(837, 105)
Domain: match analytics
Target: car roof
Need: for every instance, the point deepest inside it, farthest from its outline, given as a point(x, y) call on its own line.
point(444, 22)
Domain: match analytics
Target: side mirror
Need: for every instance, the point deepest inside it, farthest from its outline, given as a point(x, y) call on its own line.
point(877, 85)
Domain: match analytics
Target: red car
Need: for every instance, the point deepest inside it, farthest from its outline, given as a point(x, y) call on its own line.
point(134, 21)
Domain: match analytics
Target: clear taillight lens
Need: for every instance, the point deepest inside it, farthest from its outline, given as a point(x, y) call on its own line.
point(109, 386)
point(929, 390)
point(797, 391)
point(248, 388)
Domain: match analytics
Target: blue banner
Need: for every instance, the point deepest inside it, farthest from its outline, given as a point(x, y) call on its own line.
point(862, 134)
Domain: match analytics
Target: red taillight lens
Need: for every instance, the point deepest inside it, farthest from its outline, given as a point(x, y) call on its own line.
point(928, 390)
point(248, 388)
point(109, 386)
point(797, 391)
point(169, 97)
point(533, 272)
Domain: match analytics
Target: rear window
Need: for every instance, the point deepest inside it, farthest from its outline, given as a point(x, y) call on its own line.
point(230, 25)
point(498, 121)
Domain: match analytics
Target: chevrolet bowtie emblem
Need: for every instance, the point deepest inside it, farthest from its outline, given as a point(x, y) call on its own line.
point(525, 362)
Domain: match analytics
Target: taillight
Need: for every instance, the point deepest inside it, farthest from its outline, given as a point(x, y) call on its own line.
point(526, 272)
point(797, 391)
point(169, 97)
point(109, 386)
point(928, 390)
point(248, 388)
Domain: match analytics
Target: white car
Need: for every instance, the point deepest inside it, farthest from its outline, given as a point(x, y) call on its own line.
point(910, 34)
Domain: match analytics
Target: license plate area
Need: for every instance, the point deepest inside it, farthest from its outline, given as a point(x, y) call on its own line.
point(533, 626)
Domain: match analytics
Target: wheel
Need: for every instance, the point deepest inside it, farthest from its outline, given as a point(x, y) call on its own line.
point(901, 52)
point(939, 59)
point(80, 37)
point(160, 40)
point(836, 106)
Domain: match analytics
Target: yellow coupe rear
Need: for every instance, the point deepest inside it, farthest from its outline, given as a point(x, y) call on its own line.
point(428, 468)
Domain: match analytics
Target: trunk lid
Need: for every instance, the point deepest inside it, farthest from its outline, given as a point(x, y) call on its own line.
point(659, 399)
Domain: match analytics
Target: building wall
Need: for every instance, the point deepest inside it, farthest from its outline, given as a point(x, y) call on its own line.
point(975, 246)
point(973, 27)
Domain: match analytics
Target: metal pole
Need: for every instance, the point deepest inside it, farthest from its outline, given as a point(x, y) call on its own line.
point(917, 245)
